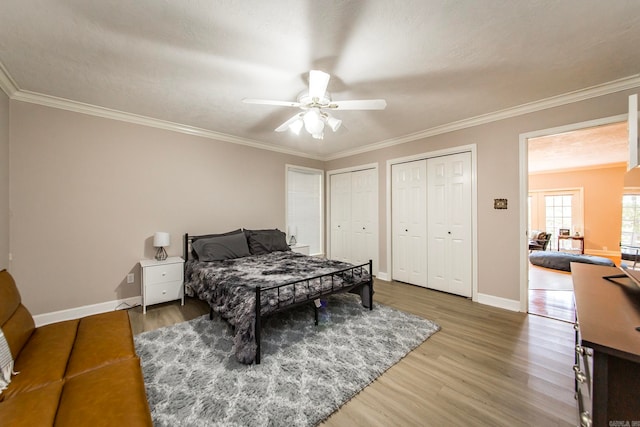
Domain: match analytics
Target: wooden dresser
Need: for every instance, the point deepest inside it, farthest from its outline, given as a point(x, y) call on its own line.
point(607, 368)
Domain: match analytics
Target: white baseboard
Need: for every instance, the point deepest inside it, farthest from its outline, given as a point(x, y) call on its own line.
point(87, 310)
point(383, 276)
point(507, 304)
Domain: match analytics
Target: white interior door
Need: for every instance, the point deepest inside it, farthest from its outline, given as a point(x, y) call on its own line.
point(449, 251)
point(364, 205)
point(409, 222)
point(341, 217)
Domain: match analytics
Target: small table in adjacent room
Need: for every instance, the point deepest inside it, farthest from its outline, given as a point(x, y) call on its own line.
point(579, 239)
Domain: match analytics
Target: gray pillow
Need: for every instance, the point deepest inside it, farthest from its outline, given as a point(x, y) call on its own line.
point(266, 241)
point(194, 254)
point(221, 247)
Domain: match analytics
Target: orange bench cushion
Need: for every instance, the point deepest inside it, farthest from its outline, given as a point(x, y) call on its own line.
point(44, 358)
point(101, 340)
point(113, 395)
point(32, 409)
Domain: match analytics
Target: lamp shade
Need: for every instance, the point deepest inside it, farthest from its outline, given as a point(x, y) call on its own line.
point(312, 121)
point(296, 126)
point(334, 123)
point(161, 239)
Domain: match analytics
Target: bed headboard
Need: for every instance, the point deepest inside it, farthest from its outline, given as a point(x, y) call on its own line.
point(186, 247)
point(188, 240)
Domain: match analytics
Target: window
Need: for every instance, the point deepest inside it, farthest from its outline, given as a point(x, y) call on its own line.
point(558, 213)
point(630, 235)
point(551, 210)
point(305, 214)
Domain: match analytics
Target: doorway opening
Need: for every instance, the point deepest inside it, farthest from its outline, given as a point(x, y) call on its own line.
point(574, 181)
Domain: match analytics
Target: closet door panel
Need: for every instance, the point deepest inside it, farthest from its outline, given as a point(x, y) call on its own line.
point(341, 217)
point(437, 229)
point(363, 215)
point(409, 225)
point(449, 218)
point(460, 224)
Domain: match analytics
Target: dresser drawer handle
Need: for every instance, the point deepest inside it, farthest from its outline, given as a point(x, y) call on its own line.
point(576, 326)
point(585, 419)
point(583, 351)
point(580, 376)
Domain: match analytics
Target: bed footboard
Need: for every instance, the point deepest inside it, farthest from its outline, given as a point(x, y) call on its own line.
point(364, 287)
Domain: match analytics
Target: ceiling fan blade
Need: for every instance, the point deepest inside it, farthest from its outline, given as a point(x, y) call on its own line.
point(359, 104)
point(271, 102)
point(318, 81)
point(286, 124)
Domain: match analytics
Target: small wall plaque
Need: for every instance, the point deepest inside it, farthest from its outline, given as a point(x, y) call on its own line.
point(499, 203)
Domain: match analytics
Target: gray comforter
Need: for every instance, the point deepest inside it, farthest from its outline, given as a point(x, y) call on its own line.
point(229, 288)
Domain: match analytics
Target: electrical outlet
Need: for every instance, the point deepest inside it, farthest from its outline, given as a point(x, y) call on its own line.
point(130, 278)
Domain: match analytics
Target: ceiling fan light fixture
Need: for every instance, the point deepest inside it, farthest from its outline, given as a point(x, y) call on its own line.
point(296, 126)
point(333, 123)
point(313, 122)
point(314, 102)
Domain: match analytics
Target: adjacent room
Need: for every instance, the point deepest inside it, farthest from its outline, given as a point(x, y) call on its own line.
point(580, 201)
point(301, 213)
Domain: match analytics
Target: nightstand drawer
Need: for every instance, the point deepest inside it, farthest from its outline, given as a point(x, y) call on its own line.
point(161, 292)
point(162, 281)
point(163, 273)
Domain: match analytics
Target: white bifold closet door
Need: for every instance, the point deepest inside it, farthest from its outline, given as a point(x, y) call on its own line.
point(341, 217)
point(431, 223)
point(449, 252)
point(409, 222)
point(364, 224)
point(354, 219)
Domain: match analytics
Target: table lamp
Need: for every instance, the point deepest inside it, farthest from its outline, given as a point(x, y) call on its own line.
point(160, 240)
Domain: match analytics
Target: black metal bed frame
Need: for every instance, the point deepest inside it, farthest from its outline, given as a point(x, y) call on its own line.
point(259, 291)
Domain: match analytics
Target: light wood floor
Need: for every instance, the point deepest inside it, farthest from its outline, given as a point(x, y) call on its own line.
point(486, 367)
point(551, 293)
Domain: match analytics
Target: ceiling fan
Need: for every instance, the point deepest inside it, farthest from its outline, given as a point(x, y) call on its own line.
point(314, 103)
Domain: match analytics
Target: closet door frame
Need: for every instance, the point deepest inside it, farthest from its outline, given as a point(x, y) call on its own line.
point(376, 217)
point(474, 207)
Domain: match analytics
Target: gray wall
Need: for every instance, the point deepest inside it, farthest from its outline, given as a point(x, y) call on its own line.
point(87, 194)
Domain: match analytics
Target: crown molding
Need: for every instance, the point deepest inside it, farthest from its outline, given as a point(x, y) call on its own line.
point(531, 107)
point(93, 110)
point(7, 84)
point(10, 87)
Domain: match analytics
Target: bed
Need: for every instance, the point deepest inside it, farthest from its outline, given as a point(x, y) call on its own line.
point(232, 271)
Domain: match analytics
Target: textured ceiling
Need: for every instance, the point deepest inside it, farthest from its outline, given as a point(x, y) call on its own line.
point(584, 148)
point(435, 62)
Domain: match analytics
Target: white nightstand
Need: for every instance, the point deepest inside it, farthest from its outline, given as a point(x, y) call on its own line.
point(300, 248)
point(162, 281)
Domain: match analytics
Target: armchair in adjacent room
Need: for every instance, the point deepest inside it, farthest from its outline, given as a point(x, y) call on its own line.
point(539, 240)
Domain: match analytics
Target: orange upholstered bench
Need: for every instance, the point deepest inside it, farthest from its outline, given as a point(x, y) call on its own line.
point(71, 373)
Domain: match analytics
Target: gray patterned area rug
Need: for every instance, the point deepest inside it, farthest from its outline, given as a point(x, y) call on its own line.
point(307, 372)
